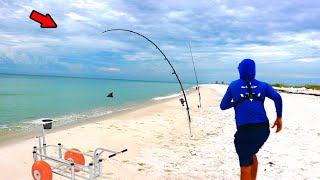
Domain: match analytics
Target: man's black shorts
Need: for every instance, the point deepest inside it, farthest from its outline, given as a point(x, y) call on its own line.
point(249, 139)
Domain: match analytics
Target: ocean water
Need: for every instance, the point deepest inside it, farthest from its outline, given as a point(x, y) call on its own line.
point(26, 100)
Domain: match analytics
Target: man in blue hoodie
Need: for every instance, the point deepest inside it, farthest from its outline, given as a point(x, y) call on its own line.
point(246, 95)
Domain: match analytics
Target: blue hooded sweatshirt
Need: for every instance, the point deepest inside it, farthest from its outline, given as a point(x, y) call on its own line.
point(250, 111)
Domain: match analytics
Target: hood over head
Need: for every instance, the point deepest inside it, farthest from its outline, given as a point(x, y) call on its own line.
point(247, 69)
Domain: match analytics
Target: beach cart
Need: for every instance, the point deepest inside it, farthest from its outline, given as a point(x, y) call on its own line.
point(69, 163)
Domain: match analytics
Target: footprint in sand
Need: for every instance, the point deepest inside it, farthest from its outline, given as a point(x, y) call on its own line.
point(167, 170)
point(212, 134)
point(166, 146)
point(271, 164)
point(141, 164)
point(159, 136)
point(141, 169)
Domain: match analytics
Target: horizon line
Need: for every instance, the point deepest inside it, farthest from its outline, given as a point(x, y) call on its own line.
point(84, 77)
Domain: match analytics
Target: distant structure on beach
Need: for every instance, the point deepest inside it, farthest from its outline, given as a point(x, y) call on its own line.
point(222, 82)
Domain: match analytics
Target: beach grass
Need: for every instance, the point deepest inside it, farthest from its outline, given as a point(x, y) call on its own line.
point(307, 86)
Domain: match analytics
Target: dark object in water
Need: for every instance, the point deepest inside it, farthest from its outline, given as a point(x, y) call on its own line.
point(182, 101)
point(110, 95)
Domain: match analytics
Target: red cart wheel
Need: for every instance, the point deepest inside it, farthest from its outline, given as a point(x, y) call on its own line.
point(74, 157)
point(41, 171)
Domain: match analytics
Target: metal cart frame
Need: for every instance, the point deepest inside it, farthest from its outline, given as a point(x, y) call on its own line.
point(64, 167)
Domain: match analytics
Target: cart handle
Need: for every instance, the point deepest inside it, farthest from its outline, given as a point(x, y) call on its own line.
point(96, 155)
point(112, 155)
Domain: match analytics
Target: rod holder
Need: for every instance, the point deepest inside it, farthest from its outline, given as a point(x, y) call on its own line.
point(91, 171)
point(40, 147)
point(45, 149)
point(72, 171)
point(100, 167)
point(60, 151)
point(35, 158)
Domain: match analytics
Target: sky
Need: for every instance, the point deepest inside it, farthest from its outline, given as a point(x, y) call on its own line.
point(282, 37)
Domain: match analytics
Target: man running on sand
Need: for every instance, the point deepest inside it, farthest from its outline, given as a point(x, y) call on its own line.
point(247, 96)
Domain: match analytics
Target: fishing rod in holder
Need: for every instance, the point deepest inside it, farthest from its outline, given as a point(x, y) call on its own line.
point(195, 74)
point(174, 71)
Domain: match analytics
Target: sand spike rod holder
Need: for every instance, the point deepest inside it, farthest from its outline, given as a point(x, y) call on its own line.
point(67, 166)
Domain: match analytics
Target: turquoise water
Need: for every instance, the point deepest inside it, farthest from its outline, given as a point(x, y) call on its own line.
point(25, 100)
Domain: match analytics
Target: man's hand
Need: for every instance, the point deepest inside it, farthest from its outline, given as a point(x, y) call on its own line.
point(278, 123)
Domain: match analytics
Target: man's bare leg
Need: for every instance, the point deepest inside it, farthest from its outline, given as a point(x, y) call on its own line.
point(254, 169)
point(246, 172)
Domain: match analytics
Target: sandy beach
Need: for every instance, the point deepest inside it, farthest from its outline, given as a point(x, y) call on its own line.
point(159, 146)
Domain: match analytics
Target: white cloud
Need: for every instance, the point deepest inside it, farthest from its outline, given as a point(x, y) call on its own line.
point(143, 56)
point(24, 41)
point(221, 33)
point(106, 69)
point(89, 4)
point(245, 11)
point(77, 17)
point(104, 42)
point(308, 60)
point(306, 37)
point(28, 8)
point(115, 15)
point(180, 15)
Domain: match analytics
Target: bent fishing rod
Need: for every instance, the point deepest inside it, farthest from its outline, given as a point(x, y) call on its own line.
point(165, 57)
point(195, 74)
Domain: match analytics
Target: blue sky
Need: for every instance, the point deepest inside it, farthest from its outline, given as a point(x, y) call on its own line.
point(283, 37)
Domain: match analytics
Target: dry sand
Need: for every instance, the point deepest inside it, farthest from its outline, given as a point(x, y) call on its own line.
point(159, 146)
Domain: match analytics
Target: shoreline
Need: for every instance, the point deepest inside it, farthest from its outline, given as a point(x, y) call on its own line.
point(18, 136)
point(298, 91)
point(149, 127)
point(159, 145)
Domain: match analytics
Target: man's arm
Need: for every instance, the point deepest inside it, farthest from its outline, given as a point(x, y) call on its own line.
point(226, 100)
point(275, 96)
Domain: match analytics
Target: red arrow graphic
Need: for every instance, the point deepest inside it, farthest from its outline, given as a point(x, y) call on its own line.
point(45, 21)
